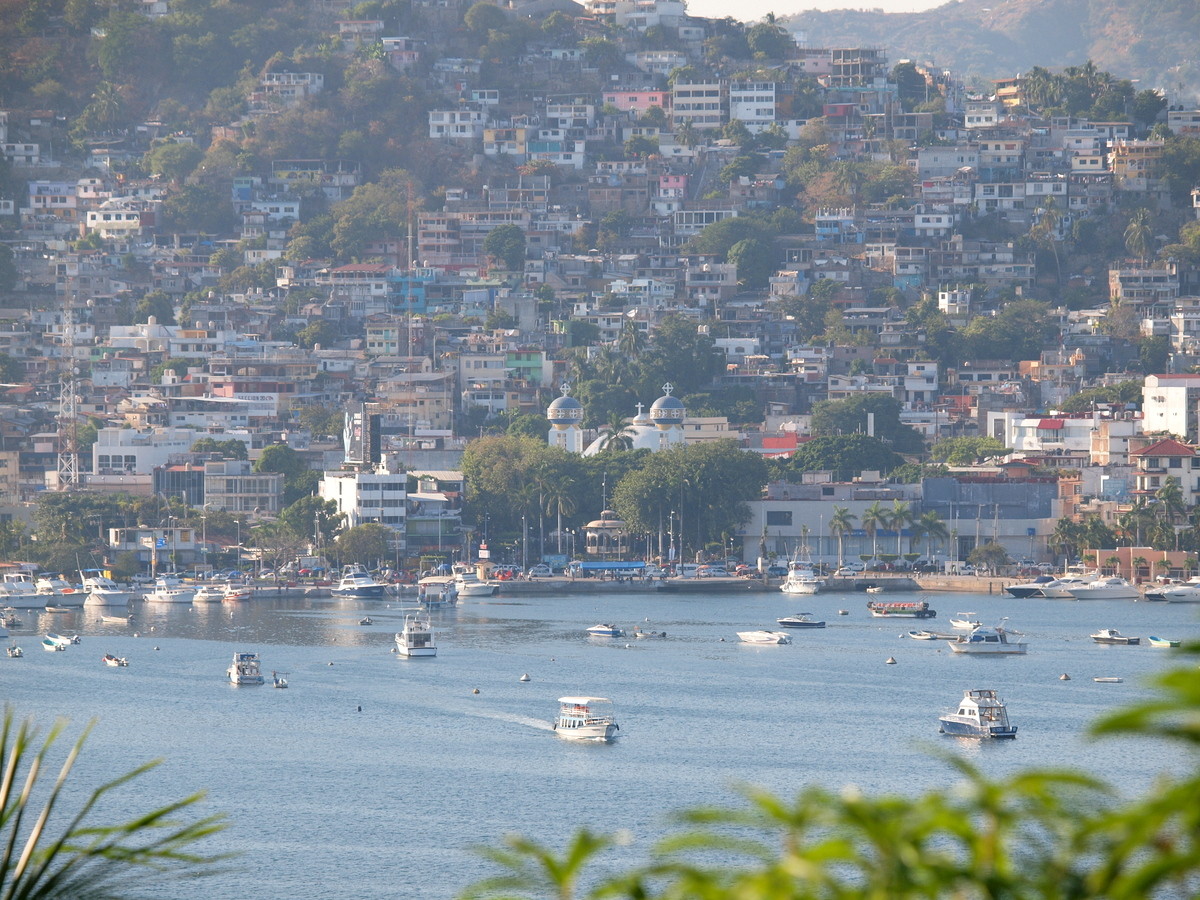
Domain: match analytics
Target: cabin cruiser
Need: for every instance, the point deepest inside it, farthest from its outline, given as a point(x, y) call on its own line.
point(56, 591)
point(356, 582)
point(1061, 587)
point(169, 589)
point(987, 640)
point(1109, 588)
point(209, 593)
point(245, 669)
point(801, 579)
point(416, 638)
point(982, 714)
point(100, 590)
point(1112, 636)
point(586, 719)
point(1030, 588)
point(1181, 593)
point(467, 583)
point(764, 637)
point(18, 591)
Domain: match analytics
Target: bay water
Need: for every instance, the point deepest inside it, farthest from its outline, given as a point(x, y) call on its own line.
point(387, 772)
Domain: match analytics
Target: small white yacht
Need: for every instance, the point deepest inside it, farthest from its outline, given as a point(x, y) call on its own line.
point(987, 640)
point(356, 582)
point(1030, 588)
point(1061, 587)
point(801, 620)
point(100, 590)
point(169, 589)
point(57, 591)
point(417, 637)
point(1181, 593)
point(981, 714)
point(801, 579)
point(1110, 587)
point(1112, 636)
point(764, 637)
point(209, 593)
point(245, 669)
point(965, 620)
point(18, 591)
point(605, 630)
point(467, 583)
point(586, 719)
point(116, 662)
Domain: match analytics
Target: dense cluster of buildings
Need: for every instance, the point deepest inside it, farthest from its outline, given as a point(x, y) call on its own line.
point(409, 337)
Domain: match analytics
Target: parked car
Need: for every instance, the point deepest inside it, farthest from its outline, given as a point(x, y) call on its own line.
point(541, 570)
point(712, 572)
point(777, 571)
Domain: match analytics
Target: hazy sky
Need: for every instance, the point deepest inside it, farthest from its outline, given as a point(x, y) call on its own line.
point(753, 10)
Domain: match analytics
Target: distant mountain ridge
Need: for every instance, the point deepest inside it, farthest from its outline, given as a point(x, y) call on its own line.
point(1153, 41)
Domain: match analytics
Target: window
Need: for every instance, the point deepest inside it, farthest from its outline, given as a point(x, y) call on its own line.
point(779, 517)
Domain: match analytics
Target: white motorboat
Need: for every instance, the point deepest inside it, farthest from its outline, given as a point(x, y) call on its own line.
point(1182, 593)
point(640, 633)
point(605, 630)
point(52, 646)
point(100, 590)
point(56, 591)
point(115, 661)
point(356, 582)
point(245, 669)
point(467, 583)
point(764, 637)
point(1061, 587)
point(981, 714)
point(801, 620)
point(932, 636)
point(209, 593)
point(801, 579)
point(987, 640)
point(1112, 636)
point(417, 637)
point(1110, 587)
point(965, 620)
point(18, 591)
point(586, 719)
point(61, 639)
point(169, 589)
point(117, 620)
point(236, 593)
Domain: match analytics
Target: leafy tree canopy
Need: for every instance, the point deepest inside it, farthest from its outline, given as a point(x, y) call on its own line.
point(846, 455)
point(965, 451)
point(850, 416)
point(231, 449)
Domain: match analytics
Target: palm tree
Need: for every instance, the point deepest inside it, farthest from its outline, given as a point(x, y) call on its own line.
point(1064, 541)
point(84, 859)
point(1113, 562)
point(632, 340)
point(1046, 231)
point(897, 517)
point(841, 522)
point(874, 517)
point(559, 495)
point(617, 434)
point(931, 526)
point(1170, 495)
point(1139, 563)
point(1189, 564)
point(1138, 234)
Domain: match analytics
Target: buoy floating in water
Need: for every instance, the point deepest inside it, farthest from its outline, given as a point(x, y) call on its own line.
point(891, 661)
point(331, 664)
point(476, 691)
point(525, 677)
point(1064, 677)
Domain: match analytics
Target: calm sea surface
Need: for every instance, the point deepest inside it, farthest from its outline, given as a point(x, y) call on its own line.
point(395, 796)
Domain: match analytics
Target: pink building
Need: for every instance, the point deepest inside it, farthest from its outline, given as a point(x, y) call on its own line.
point(638, 101)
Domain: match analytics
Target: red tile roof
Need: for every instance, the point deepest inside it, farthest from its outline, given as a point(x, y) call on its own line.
point(1166, 447)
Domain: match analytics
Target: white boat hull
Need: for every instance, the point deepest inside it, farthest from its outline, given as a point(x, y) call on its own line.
point(588, 732)
point(801, 587)
point(764, 637)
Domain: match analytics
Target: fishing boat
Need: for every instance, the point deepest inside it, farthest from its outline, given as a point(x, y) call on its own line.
point(900, 609)
point(14, 652)
point(279, 679)
point(1112, 636)
point(605, 630)
point(586, 719)
point(417, 637)
point(801, 620)
point(801, 578)
point(981, 714)
point(639, 633)
point(357, 583)
point(875, 589)
point(114, 661)
point(764, 637)
point(983, 640)
point(1161, 642)
point(236, 593)
point(209, 593)
point(245, 669)
point(52, 646)
point(965, 620)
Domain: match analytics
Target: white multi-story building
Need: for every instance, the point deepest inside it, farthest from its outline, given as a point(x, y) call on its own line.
point(753, 104)
point(1169, 404)
point(133, 451)
point(378, 497)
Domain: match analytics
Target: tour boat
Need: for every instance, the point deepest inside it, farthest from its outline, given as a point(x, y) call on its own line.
point(1110, 588)
point(1112, 636)
point(1161, 642)
point(605, 630)
point(245, 669)
point(114, 661)
point(51, 646)
point(416, 638)
point(764, 637)
point(982, 714)
point(965, 620)
point(586, 719)
point(169, 589)
point(901, 609)
point(987, 640)
point(800, 620)
point(102, 590)
point(357, 583)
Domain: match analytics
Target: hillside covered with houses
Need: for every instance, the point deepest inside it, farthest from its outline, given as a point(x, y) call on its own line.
point(386, 280)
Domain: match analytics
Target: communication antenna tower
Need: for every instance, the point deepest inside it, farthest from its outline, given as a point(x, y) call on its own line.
point(68, 404)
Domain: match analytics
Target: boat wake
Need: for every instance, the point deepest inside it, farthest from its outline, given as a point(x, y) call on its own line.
point(514, 718)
